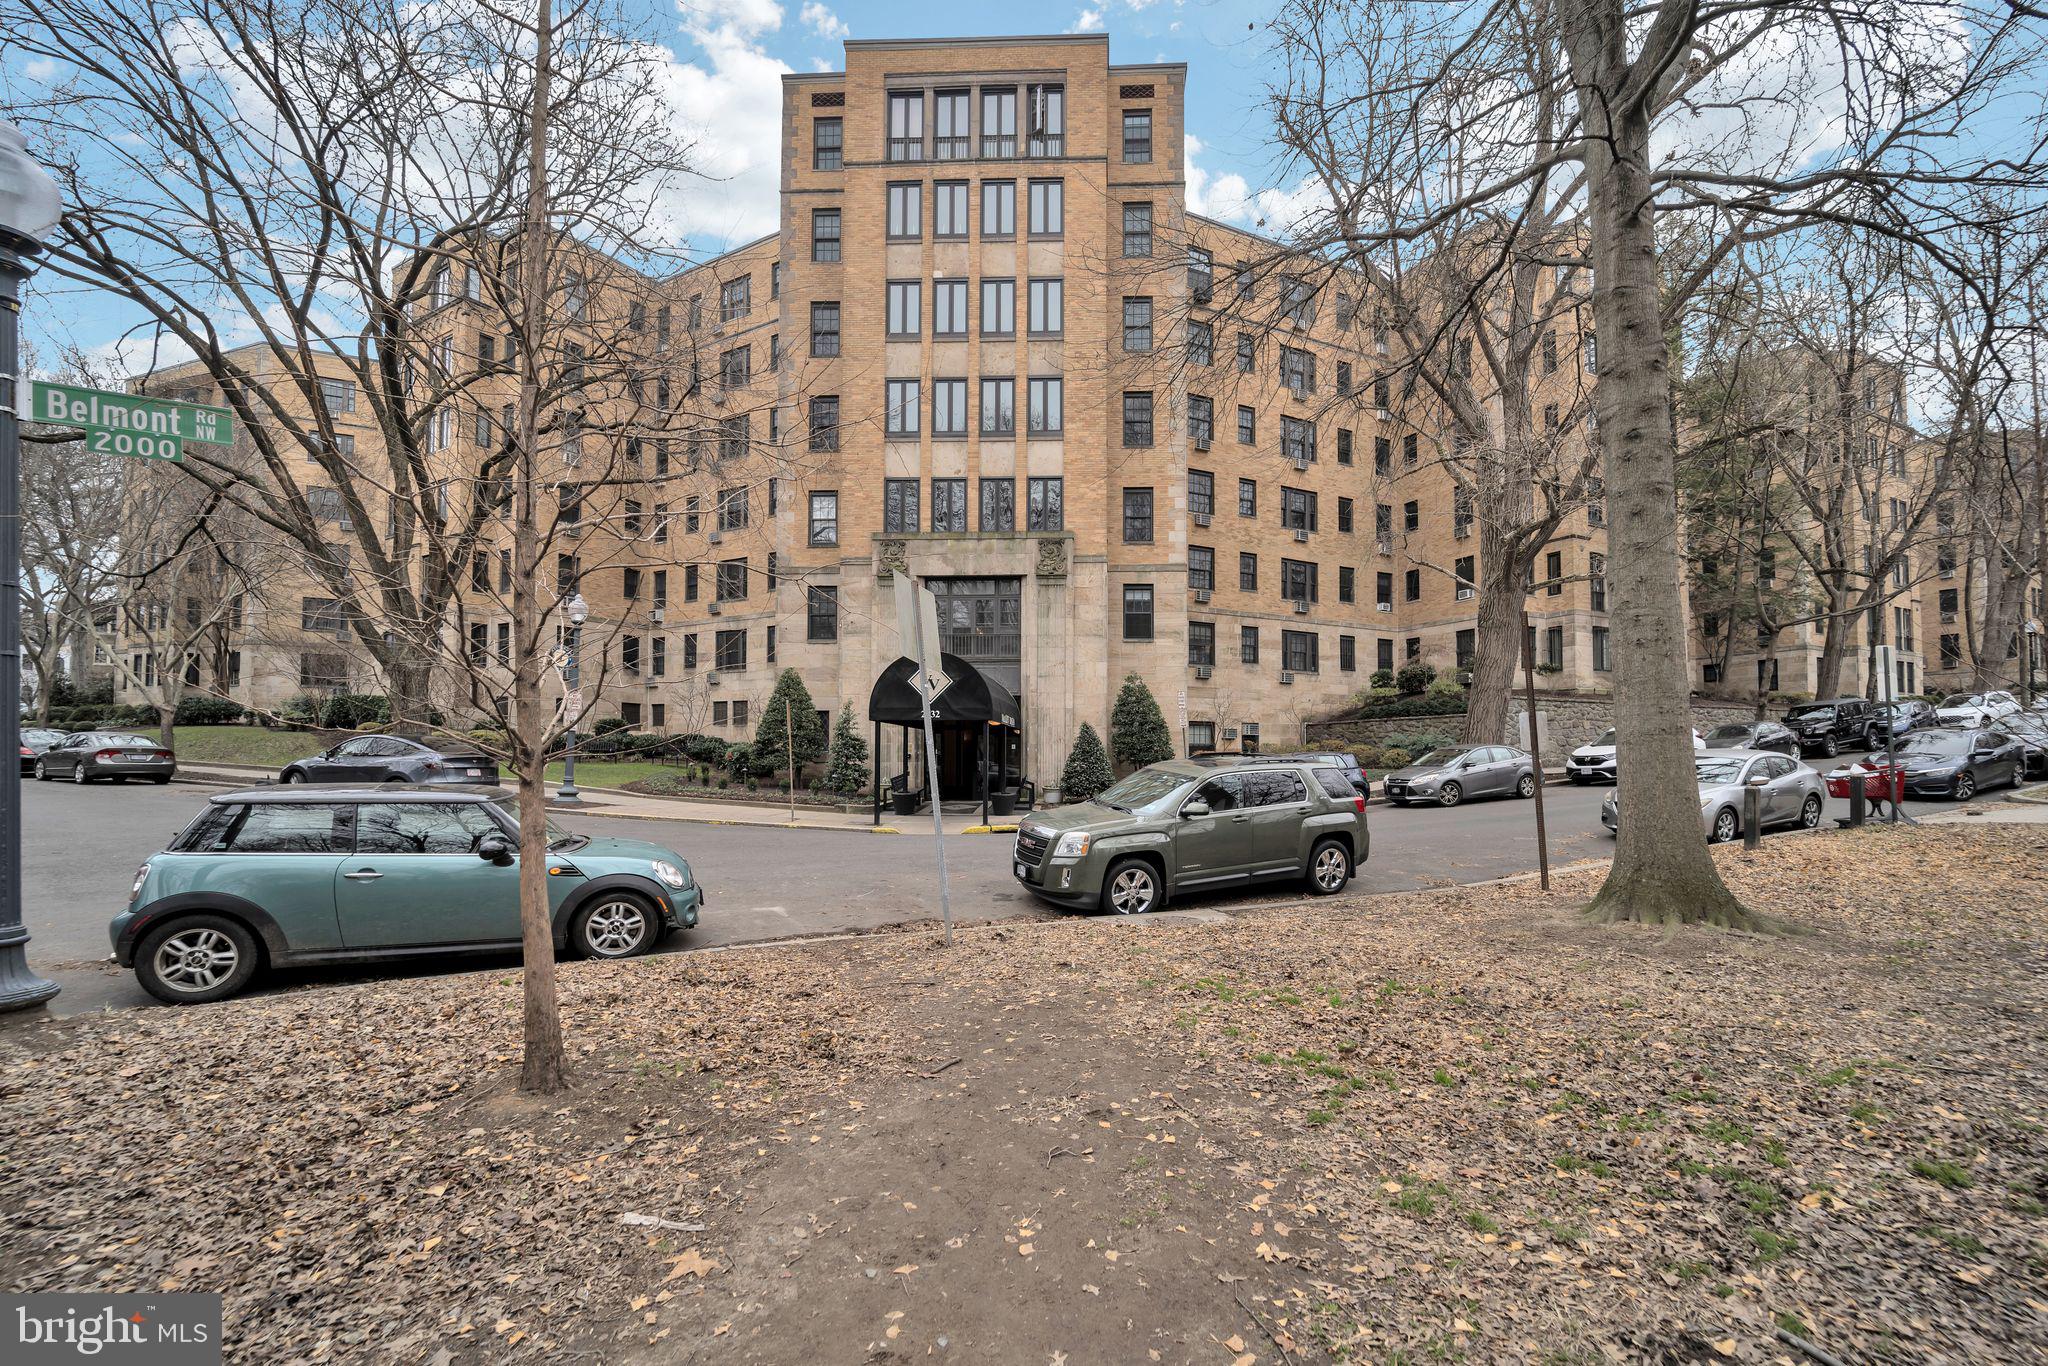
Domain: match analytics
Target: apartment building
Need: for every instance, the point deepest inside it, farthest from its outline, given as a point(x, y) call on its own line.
point(989, 347)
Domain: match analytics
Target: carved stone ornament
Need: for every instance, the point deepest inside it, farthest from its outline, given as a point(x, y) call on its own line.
point(1052, 558)
point(891, 558)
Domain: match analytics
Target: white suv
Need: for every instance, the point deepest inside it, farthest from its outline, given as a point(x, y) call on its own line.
point(1975, 710)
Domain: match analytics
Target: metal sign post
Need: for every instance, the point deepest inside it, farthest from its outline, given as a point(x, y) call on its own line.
point(1535, 746)
point(917, 618)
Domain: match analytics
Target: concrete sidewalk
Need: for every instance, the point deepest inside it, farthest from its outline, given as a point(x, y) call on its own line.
point(617, 804)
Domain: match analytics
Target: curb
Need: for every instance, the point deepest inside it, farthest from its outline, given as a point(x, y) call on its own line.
point(990, 830)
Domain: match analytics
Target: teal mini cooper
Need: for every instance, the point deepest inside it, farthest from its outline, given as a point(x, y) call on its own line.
point(287, 876)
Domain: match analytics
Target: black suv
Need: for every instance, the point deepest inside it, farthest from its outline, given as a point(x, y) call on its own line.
point(1353, 774)
point(1831, 725)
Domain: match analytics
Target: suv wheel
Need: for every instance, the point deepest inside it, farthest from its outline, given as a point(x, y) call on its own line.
point(1527, 786)
point(195, 959)
point(1450, 794)
point(1830, 746)
point(1132, 888)
point(616, 925)
point(1329, 868)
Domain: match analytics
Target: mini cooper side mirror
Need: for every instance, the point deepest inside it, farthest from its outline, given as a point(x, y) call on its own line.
point(1193, 809)
point(494, 849)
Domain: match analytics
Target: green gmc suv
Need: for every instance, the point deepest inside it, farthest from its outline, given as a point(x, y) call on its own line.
point(1195, 824)
point(284, 876)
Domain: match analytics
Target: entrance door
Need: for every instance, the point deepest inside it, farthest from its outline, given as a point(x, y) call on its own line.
point(959, 761)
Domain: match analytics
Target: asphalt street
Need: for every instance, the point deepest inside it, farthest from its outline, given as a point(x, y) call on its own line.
point(81, 847)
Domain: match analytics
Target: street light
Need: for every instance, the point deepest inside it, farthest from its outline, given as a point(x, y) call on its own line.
point(578, 612)
point(29, 209)
point(2027, 663)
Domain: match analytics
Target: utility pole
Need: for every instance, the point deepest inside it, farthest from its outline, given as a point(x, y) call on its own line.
point(789, 738)
point(1535, 746)
point(29, 209)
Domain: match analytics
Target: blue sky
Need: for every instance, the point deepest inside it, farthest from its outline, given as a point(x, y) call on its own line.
point(729, 55)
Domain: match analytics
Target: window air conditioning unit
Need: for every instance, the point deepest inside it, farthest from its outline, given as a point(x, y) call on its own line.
point(716, 610)
point(1300, 462)
point(1203, 671)
point(1201, 595)
point(1301, 533)
point(1201, 519)
point(1286, 677)
point(1386, 606)
point(655, 615)
point(1385, 415)
point(1380, 348)
point(715, 537)
point(1201, 443)
point(1948, 616)
point(1384, 547)
point(1301, 606)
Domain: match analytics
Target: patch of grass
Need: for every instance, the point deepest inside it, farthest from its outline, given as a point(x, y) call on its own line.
point(239, 744)
point(1285, 998)
point(1264, 1059)
point(1233, 1031)
point(1864, 1112)
point(1443, 1077)
point(1572, 1162)
point(1417, 1197)
point(1943, 1173)
point(1727, 1131)
point(1764, 1199)
point(1771, 1246)
point(1686, 1271)
point(1956, 1240)
point(1481, 1222)
point(1571, 1235)
point(2025, 1201)
point(1792, 1323)
point(1318, 1118)
point(1693, 1095)
point(1642, 1122)
point(1841, 1076)
point(1775, 1154)
point(1385, 1076)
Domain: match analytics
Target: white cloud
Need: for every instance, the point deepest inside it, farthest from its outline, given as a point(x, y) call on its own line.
point(823, 22)
point(1089, 21)
point(1230, 198)
point(729, 103)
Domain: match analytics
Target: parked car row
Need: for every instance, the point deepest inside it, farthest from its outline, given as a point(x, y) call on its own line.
point(1791, 793)
point(91, 755)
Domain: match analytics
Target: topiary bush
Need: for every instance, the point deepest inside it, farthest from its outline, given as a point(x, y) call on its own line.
point(349, 710)
point(608, 725)
point(1413, 678)
point(1418, 742)
point(1395, 757)
point(208, 711)
point(1381, 678)
point(846, 775)
point(1137, 730)
point(301, 709)
point(1445, 687)
point(1087, 771)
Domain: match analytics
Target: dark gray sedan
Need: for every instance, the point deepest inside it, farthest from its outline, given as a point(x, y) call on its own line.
point(1449, 774)
point(393, 759)
point(1774, 736)
point(93, 754)
point(33, 742)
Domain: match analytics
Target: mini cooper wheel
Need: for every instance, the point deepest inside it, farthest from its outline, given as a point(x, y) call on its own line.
point(1966, 786)
point(195, 959)
point(1527, 786)
point(1450, 794)
point(1809, 813)
point(1329, 868)
point(615, 925)
point(1132, 888)
point(42, 771)
point(1725, 826)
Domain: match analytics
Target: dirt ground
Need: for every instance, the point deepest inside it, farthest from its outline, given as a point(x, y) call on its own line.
point(1443, 1126)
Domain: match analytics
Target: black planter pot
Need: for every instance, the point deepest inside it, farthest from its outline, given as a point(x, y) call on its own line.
point(1003, 803)
point(903, 803)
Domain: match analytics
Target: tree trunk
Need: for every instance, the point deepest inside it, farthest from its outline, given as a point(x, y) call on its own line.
point(1834, 648)
point(1662, 873)
point(1496, 641)
point(542, 1068)
point(407, 678)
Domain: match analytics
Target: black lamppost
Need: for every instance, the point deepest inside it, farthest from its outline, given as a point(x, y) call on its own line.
point(29, 208)
point(578, 612)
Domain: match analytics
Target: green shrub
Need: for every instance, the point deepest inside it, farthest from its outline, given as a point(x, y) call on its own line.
point(1445, 687)
point(1418, 741)
point(208, 711)
point(1368, 756)
point(1382, 678)
point(1413, 678)
point(1395, 757)
point(349, 710)
point(1421, 705)
point(847, 773)
point(608, 725)
point(788, 736)
point(1087, 771)
point(1137, 731)
point(301, 709)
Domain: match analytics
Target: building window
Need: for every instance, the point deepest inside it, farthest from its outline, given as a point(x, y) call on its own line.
point(1247, 572)
point(825, 329)
point(1137, 135)
point(1344, 514)
point(999, 407)
point(949, 308)
point(906, 312)
point(732, 580)
point(1247, 498)
point(1048, 308)
point(1201, 420)
point(998, 208)
point(1343, 377)
point(1047, 208)
point(1202, 643)
point(1298, 651)
point(729, 653)
point(1462, 572)
point(1201, 493)
point(1137, 516)
point(689, 652)
point(906, 212)
point(1046, 107)
point(1596, 581)
point(1137, 324)
point(1347, 653)
point(1553, 647)
point(1247, 352)
point(337, 396)
point(949, 505)
point(1137, 611)
point(1137, 419)
point(824, 234)
point(824, 517)
point(949, 209)
point(900, 512)
point(1343, 445)
point(1045, 505)
point(825, 423)
point(1201, 737)
point(1297, 438)
point(949, 407)
point(823, 614)
point(998, 308)
point(1347, 583)
point(1045, 402)
point(902, 413)
point(999, 123)
point(906, 125)
point(1408, 449)
point(1137, 230)
point(1411, 515)
point(1298, 370)
point(1247, 425)
point(1201, 274)
point(1553, 573)
point(1411, 585)
point(1297, 509)
point(1202, 567)
point(1602, 661)
point(732, 509)
point(998, 505)
point(736, 299)
point(828, 144)
point(1298, 581)
point(1201, 344)
point(950, 139)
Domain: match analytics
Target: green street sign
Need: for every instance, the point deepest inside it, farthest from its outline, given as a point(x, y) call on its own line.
point(132, 425)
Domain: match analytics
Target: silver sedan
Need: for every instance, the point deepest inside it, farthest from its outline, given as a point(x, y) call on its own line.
point(1792, 793)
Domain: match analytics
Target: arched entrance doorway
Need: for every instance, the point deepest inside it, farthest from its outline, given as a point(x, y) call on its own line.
point(977, 727)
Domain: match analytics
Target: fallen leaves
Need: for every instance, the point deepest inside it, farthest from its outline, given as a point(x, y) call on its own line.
point(690, 1263)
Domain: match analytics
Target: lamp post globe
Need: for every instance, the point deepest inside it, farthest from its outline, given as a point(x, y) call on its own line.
point(578, 612)
point(29, 209)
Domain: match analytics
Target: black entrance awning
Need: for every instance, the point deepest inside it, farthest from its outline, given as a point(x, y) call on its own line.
point(974, 696)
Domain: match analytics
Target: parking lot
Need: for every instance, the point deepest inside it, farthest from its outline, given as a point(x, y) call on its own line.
point(81, 847)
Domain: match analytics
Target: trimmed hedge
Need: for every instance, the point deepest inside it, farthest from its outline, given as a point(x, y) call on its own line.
point(1424, 704)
